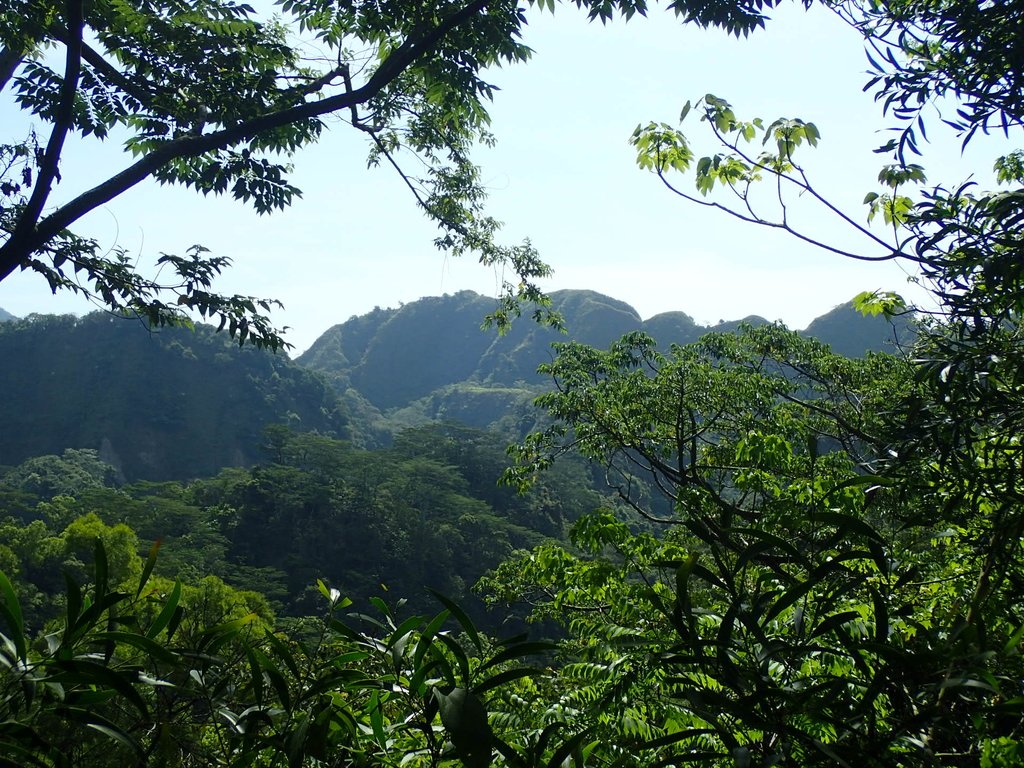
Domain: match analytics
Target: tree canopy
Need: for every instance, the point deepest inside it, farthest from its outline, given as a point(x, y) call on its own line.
point(212, 96)
point(823, 567)
point(713, 641)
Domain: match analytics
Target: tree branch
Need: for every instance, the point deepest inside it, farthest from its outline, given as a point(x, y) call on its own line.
point(313, 86)
point(104, 67)
point(9, 61)
point(28, 238)
point(778, 225)
point(63, 119)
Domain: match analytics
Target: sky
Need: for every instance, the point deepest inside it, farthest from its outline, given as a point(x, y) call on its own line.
point(562, 174)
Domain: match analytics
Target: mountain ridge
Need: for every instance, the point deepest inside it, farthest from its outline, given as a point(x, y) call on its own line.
point(427, 360)
point(361, 352)
point(177, 404)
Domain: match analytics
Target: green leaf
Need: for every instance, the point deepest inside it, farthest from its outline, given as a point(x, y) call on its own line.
point(10, 609)
point(567, 748)
point(277, 679)
point(1013, 643)
point(873, 303)
point(344, 629)
point(284, 653)
point(110, 730)
point(141, 643)
point(373, 707)
point(511, 755)
point(465, 719)
point(82, 672)
point(881, 611)
point(402, 632)
point(464, 621)
point(210, 640)
point(517, 651)
point(427, 636)
point(147, 569)
point(675, 738)
point(507, 676)
point(460, 655)
point(381, 606)
point(847, 525)
point(255, 675)
point(789, 597)
point(295, 744)
point(73, 608)
point(834, 621)
point(163, 618)
point(23, 755)
point(102, 569)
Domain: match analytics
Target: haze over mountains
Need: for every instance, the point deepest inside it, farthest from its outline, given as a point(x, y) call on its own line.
point(439, 339)
point(178, 404)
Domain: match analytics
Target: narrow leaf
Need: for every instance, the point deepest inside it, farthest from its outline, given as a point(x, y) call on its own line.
point(10, 609)
point(462, 618)
point(147, 569)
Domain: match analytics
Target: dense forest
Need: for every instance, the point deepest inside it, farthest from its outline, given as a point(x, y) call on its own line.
point(426, 514)
point(244, 467)
point(172, 405)
point(181, 404)
point(742, 548)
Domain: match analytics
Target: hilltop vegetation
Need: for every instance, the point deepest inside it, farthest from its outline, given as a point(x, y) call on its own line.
point(489, 381)
point(439, 338)
point(178, 404)
point(169, 405)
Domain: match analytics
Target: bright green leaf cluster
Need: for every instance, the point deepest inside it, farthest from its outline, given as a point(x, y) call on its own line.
point(659, 147)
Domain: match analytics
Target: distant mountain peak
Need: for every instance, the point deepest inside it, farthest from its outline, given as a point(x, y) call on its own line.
point(396, 357)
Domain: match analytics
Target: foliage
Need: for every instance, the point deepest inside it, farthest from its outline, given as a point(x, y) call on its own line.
point(795, 607)
point(840, 582)
point(169, 405)
point(144, 677)
point(377, 523)
point(209, 96)
point(823, 565)
point(427, 514)
point(959, 52)
point(64, 475)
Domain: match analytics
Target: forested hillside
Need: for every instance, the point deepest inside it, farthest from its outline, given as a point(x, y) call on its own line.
point(489, 380)
point(172, 404)
point(747, 551)
point(426, 514)
point(178, 404)
point(440, 339)
point(239, 461)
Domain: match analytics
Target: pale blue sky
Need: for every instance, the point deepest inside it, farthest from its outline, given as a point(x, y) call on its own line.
point(562, 174)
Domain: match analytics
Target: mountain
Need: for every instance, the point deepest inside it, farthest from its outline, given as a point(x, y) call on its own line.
point(852, 334)
point(5, 315)
point(173, 404)
point(179, 404)
point(428, 360)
